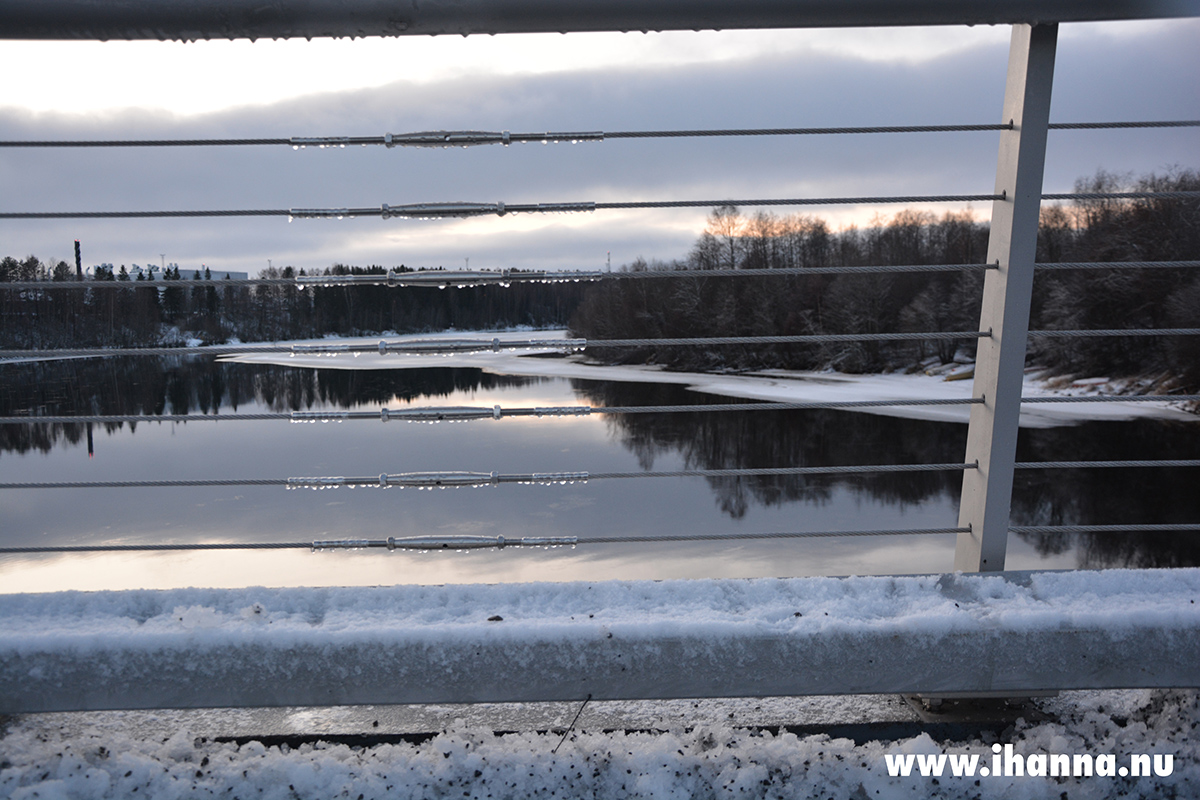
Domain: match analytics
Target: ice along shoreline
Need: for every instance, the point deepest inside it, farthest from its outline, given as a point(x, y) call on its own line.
point(790, 386)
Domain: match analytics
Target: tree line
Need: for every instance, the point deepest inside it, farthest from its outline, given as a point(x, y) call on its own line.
point(1155, 229)
point(172, 309)
point(150, 312)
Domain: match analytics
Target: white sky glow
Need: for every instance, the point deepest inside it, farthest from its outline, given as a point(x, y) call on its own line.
point(200, 77)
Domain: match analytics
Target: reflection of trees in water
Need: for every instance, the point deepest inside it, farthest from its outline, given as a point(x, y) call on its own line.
point(1111, 496)
point(151, 386)
point(1040, 497)
point(731, 440)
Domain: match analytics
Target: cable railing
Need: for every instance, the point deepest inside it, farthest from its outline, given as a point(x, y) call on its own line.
point(985, 398)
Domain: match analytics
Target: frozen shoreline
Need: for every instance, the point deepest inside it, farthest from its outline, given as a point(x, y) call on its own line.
point(766, 385)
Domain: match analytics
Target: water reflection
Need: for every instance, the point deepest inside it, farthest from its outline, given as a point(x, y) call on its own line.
point(151, 387)
point(715, 440)
point(1040, 497)
point(1112, 496)
point(797, 438)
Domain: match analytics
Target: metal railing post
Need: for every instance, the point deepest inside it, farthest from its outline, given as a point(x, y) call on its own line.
point(1012, 245)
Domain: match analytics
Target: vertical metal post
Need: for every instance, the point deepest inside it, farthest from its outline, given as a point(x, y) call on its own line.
point(1000, 363)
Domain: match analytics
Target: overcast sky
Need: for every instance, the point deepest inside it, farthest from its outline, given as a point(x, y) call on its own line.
point(608, 82)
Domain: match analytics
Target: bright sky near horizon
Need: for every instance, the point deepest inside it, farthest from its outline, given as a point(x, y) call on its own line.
point(206, 76)
point(785, 78)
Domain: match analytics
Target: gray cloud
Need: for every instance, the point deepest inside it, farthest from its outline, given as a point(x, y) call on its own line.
point(1099, 76)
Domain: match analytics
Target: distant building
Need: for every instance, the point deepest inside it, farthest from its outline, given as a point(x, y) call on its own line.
point(155, 273)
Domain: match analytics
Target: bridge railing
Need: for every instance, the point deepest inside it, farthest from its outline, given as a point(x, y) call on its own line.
point(988, 465)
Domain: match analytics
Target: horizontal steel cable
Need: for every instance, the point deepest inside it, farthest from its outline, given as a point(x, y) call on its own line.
point(162, 484)
point(1118, 265)
point(825, 338)
point(1080, 126)
point(783, 471)
point(334, 281)
point(456, 210)
point(815, 338)
point(104, 419)
point(428, 414)
point(447, 542)
point(142, 142)
point(1149, 528)
point(431, 139)
point(483, 477)
point(1121, 195)
point(1079, 334)
point(719, 537)
point(431, 346)
point(550, 478)
point(434, 413)
point(803, 201)
point(255, 212)
point(504, 279)
point(1193, 462)
point(1112, 398)
point(121, 548)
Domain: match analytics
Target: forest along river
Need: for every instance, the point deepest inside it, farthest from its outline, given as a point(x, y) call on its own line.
point(596, 443)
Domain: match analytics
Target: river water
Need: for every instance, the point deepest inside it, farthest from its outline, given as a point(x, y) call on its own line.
point(644, 507)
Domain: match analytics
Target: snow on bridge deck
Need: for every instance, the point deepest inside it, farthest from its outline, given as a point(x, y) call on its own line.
point(1006, 633)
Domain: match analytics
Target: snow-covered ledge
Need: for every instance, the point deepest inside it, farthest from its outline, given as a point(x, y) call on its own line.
point(1013, 632)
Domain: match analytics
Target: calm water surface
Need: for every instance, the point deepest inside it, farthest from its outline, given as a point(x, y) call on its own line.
point(599, 443)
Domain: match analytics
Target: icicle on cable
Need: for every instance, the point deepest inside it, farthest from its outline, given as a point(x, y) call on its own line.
point(438, 480)
point(443, 346)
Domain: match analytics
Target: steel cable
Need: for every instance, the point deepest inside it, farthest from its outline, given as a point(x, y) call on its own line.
point(718, 537)
point(1078, 334)
point(118, 548)
point(500, 209)
point(428, 139)
point(1193, 462)
point(543, 478)
point(1149, 528)
point(348, 544)
point(493, 344)
point(426, 414)
point(430, 413)
point(584, 476)
point(816, 338)
point(500, 278)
